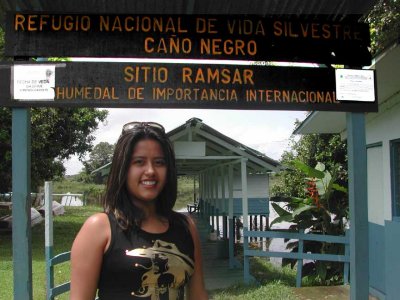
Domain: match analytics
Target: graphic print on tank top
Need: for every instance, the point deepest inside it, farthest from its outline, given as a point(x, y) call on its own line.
point(166, 270)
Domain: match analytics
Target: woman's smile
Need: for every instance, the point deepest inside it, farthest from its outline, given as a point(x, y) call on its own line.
point(149, 183)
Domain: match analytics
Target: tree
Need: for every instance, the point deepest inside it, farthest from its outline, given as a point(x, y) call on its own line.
point(1, 43)
point(100, 155)
point(57, 133)
point(385, 24)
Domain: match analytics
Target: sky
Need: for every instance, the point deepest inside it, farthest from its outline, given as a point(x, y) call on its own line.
point(266, 131)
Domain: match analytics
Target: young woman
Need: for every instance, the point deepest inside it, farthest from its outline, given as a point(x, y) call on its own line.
point(139, 248)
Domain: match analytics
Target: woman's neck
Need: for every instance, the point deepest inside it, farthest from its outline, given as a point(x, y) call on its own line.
point(148, 208)
point(154, 223)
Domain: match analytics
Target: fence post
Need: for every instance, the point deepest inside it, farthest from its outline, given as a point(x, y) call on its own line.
point(347, 253)
point(48, 221)
point(84, 195)
point(246, 263)
point(300, 261)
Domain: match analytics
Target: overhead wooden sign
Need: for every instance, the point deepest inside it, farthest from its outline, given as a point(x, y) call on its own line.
point(78, 84)
point(187, 36)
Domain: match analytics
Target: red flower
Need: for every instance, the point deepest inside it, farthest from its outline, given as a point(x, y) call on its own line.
point(313, 192)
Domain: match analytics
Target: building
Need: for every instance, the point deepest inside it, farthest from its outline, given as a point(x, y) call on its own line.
point(382, 131)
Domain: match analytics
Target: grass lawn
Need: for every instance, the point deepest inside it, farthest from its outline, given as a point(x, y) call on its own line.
point(65, 229)
point(274, 290)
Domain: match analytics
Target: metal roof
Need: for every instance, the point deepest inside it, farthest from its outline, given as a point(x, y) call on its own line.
point(220, 149)
point(331, 9)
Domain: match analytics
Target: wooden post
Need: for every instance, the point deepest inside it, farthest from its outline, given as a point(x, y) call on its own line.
point(48, 236)
point(231, 219)
point(346, 267)
point(212, 200)
point(300, 261)
point(246, 266)
point(21, 199)
point(358, 205)
point(224, 205)
point(216, 202)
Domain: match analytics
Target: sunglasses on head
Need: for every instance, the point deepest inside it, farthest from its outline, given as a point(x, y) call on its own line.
point(132, 125)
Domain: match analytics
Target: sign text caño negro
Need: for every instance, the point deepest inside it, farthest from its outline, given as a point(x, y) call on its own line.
point(188, 36)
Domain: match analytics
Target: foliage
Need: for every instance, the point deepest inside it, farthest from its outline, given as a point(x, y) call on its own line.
point(1, 44)
point(101, 154)
point(328, 149)
point(5, 149)
point(56, 135)
point(186, 194)
point(385, 24)
point(323, 210)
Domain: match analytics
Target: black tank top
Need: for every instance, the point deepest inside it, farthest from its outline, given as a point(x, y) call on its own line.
point(142, 265)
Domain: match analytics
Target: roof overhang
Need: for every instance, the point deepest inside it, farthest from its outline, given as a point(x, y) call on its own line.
point(220, 151)
point(320, 10)
point(387, 67)
point(333, 9)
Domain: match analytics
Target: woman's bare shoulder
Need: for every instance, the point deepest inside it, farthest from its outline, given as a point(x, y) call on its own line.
point(95, 232)
point(98, 220)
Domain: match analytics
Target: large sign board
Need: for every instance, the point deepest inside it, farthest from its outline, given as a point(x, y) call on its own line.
point(79, 84)
point(227, 37)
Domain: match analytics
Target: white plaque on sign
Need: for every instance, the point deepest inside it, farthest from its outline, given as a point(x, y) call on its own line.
point(33, 82)
point(355, 85)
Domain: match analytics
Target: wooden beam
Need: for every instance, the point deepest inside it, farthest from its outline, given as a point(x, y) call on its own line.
point(21, 212)
point(358, 205)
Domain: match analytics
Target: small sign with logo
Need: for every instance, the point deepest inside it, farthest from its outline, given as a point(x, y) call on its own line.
point(33, 82)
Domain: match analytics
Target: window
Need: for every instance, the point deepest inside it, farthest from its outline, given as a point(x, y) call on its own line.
point(395, 173)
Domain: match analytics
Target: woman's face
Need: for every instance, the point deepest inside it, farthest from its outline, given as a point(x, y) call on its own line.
point(147, 173)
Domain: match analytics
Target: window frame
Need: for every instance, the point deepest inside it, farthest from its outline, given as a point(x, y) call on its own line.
point(395, 178)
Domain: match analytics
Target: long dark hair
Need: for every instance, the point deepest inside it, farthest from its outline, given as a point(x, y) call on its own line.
point(117, 199)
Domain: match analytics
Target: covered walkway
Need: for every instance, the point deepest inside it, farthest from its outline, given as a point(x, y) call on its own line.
point(217, 273)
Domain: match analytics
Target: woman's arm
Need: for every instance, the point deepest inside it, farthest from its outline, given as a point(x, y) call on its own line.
point(197, 289)
point(87, 255)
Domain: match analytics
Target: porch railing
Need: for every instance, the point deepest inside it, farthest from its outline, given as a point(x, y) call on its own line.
point(299, 256)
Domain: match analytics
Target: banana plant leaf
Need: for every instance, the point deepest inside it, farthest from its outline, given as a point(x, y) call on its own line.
point(301, 209)
point(279, 210)
point(285, 218)
point(309, 171)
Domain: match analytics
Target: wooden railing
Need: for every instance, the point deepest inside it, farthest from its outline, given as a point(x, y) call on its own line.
point(51, 261)
point(299, 256)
